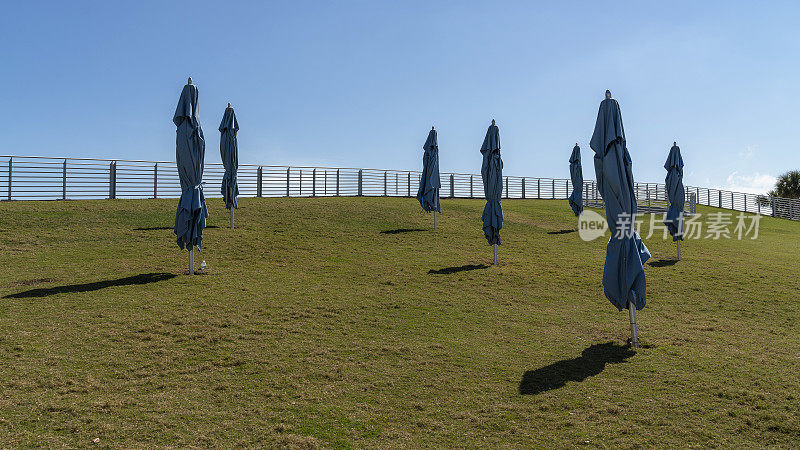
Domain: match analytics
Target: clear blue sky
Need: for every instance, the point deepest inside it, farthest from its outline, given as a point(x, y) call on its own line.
point(360, 83)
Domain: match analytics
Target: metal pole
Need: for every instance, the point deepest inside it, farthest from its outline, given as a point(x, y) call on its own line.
point(314, 183)
point(470, 186)
point(64, 182)
point(634, 332)
point(495, 254)
point(155, 180)
point(553, 192)
point(523, 187)
point(409, 184)
point(191, 261)
point(434, 219)
point(452, 186)
point(385, 191)
point(538, 188)
point(506, 187)
point(396, 183)
point(360, 177)
point(113, 181)
point(287, 180)
point(9, 177)
point(300, 182)
point(230, 198)
point(337, 182)
point(260, 183)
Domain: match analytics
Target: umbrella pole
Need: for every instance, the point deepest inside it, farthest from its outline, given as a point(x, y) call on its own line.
point(495, 254)
point(434, 219)
point(634, 332)
point(679, 249)
point(191, 261)
point(229, 198)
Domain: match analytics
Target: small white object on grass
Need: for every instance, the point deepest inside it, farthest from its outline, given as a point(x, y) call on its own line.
point(203, 265)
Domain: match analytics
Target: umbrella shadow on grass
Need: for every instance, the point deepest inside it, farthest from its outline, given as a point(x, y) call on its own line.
point(663, 263)
point(165, 228)
point(561, 231)
point(591, 362)
point(402, 230)
point(143, 278)
point(449, 270)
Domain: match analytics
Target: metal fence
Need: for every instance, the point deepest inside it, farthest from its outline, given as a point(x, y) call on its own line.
point(46, 178)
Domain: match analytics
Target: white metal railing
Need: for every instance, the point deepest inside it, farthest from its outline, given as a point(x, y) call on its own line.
point(48, 178)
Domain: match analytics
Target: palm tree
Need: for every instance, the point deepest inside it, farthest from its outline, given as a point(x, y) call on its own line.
point(788, 185)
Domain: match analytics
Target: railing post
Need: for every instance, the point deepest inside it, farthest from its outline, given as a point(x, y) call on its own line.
point(409, 184)
point(396, 188)
point(385, 189)
point(733, 206)
point(538, 188)
point(287, 180)
point(719, 202)
point(112, 180)
point(9, 176)
point(758, 204)
point(471, 177)
point(745, 202)
point(554, 190)
point(64, 181)
point(360, 178)
point(300, 182)
point(325, 192)
point(566, 188)
point(506, 187)
point(523, 187)
point(259, 182)
point(155, 180)
point(773, 205)
point(452, 186)
point(337, 182)
point(314, 182)
point(647, 190)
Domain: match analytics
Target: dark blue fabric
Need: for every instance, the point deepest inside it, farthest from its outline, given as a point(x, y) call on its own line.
point(492, 175)
point(676, 193)
point(623, 273)
point(190, 150)
point(576, 174)
point(229, 151)
point(429, 182)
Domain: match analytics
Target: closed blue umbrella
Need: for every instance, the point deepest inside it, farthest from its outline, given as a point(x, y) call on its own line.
point(429, 182)
point(676, 195)
point(229, 151)
point(190, 149)
point(492, 175)
point(576, 174)
point(623, 274)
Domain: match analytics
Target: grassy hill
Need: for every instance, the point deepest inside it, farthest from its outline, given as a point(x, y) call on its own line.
point(343, 322)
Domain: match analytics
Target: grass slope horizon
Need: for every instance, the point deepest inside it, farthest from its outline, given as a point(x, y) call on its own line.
point(341, 322)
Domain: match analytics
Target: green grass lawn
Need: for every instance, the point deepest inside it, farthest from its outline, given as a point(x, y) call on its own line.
point(349, 322)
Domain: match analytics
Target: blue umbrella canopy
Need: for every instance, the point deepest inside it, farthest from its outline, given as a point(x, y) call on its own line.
point(492, 175)
point(675, 193)
point(576, 174)
point(190, 150)
point(229, 151)
point(429, 183)
point(623, 273)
